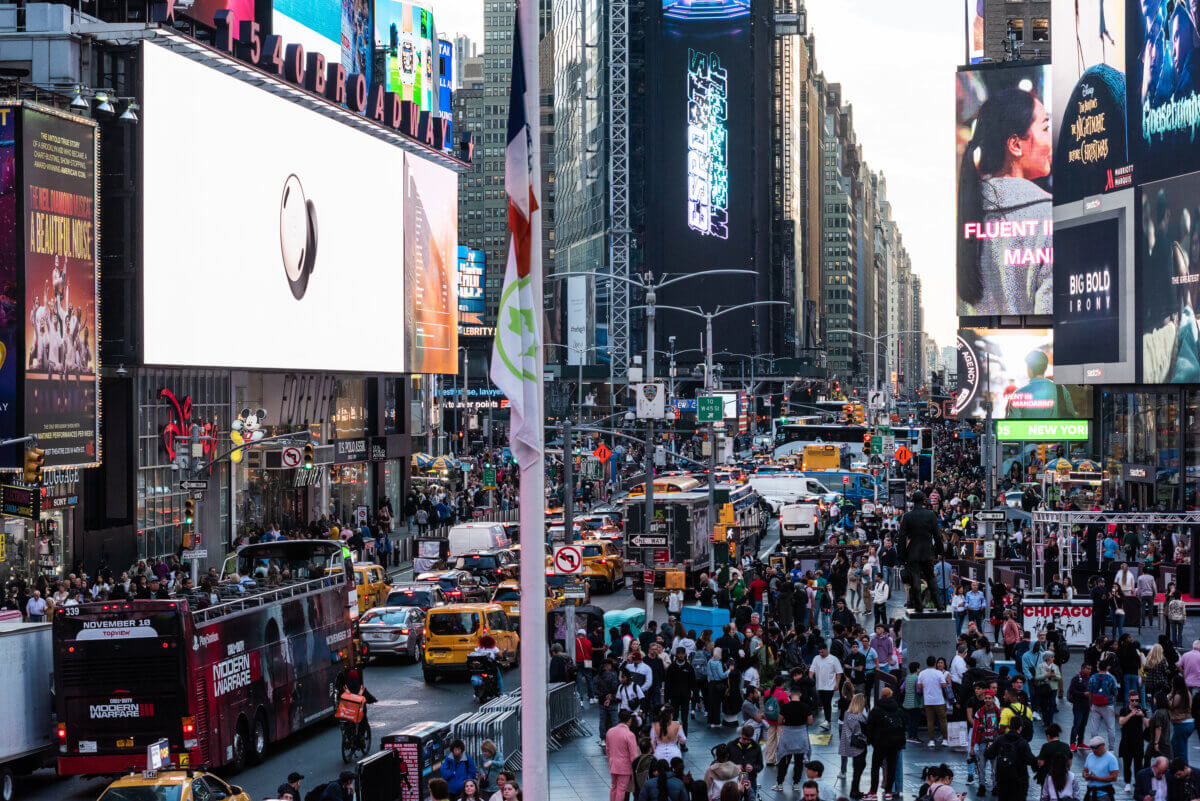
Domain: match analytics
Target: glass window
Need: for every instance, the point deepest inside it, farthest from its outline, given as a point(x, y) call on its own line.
point(1017, 26)
point(454, 623)
point(1041, 29)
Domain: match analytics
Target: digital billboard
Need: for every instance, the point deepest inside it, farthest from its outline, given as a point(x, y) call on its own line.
point(11, 300)
point(1005, 231)
point(405, 33)
point(1169, 279)
point(1163, 89)
point(446, 88)
point(974, 9)
point(472, 270)
point(62, 379)
point(294, 246)
point(1014, 368)
point(701, 191)
point(430, 265)
point(1094, 290)
point(1090, 146)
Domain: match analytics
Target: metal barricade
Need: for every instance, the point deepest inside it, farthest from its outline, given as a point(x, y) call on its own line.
point(501, 727)
point(564, 711)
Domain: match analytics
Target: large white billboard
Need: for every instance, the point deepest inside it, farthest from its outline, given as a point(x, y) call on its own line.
point(284, 248)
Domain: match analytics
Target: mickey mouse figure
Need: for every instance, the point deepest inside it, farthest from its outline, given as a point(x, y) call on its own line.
point(247, 429)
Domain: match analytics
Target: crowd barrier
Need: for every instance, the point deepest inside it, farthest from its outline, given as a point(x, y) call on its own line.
point(499, 720)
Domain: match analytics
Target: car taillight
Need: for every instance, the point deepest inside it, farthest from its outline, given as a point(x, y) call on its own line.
point(62, 732)
point(454, 592)
point(404, 631)
point(189, 725)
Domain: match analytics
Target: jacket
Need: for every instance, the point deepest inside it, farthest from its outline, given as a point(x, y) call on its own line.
point(622, 748)
point(457, 772)
point(675, 790)
point(1078, 695)
point(1142, 782)
point(1022, 755)
point(335, 792)
point(886, 726)
point(606, 684)
point(680, 680)
point(746, 754)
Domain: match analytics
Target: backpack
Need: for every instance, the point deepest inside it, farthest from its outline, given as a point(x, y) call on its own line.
point(1102, 691)
point(892, 728)
point(700, 661)
point(1027, 726)
point(1007, 766)
point(771, 709)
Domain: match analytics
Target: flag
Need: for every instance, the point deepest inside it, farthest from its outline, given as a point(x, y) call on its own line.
point(516, 349)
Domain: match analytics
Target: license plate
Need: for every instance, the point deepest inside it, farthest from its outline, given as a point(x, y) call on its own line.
point(375, 635)
point(87, 746)
point(125, 743)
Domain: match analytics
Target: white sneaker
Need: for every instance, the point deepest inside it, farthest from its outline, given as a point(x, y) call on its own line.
point(932, 744)
point(778, 788)
point(1129, 788)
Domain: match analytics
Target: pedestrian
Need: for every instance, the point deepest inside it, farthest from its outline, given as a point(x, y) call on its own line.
point(664, 785)
point(679, 684)
point(827, 672)
point(1013, 760)
point(342, 789)
point(470, 791)
point(1152, 782)
point(885, 734)
point(796, 716)
point(1081, 704)
point(1047, 685)
point(438, 789)
point(773, 703)
point(1061, 784)
point(722, 773)
point(1179, 707)
point(718, 681)
point(932, 685)
point(1103, 689)
point(584, 679)
point(985, 728)
point(852, 743)
point(1132, 751)
point(667, 736)
point(1100, 769)
point(606, 689)
point(292, 785)
point(746, 752)
point(1176, 616)
point(457, 767)
point(35, 608)
point(621, 747)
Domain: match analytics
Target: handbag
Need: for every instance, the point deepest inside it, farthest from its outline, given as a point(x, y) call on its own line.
point(858, 741)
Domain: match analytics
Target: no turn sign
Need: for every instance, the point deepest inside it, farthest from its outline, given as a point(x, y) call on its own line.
point(568, 559)
point(290, 457)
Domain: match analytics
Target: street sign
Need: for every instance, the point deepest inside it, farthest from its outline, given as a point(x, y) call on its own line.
point(290, 457)
point(845, 481)
point(197, 495)
point(568, 559)
point(993, 516)
point(875, 399)
point(989, 549)
point(647, 540)
point(876, 444)
point(602, 453)
point(903, 454)
point(574, 592)
point(198, 553)
point(888, 445)
point(710, 409)
point(661, 556)
point(648, 578)
point(489, 478)
point(193, 485)
point(651, 400)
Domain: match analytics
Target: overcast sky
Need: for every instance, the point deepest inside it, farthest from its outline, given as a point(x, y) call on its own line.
point(896, 65)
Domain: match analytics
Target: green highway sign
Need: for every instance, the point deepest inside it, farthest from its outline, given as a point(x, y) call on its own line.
point(489, 478)
point(876, 444)
point(710, 409)
point(1042, 430)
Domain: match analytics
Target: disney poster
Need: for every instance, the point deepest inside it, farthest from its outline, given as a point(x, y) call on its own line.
point(61, 378)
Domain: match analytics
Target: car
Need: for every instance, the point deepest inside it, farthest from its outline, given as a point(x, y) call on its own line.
point(422, 596)
point(512, 531)
point(394, 630)
point(1013, 498)
point(459, 586)
point(370, 585)
point(508, 595)
point(453, 632)
point(172, 785)
point(603, 567)
point(491, 566)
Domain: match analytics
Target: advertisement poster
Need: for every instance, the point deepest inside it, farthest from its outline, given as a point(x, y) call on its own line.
point(405, 33)
point(341, 31)
point(1015, 369)
point(1005, 232)
point(1169, 280)
point(1163, 91)
point(58, 161)
point(1073, 618)
point(471, 273)
point(1088, 50)
point(974, 10)
point(1087, 304)
point(430, 265)
point(446, 88)
point(10, 298)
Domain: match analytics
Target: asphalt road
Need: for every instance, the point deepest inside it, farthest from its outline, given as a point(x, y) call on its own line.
point(404, 699)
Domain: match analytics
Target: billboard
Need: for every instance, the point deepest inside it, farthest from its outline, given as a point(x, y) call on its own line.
point(405, 33)
point(974, 9)
point(58, 173)
point(341, 31)
point(1094, 336)
point(1005, 225)
point(430, 265)
point(472, 270)
point(1090, 146)
point(1163, 90)
point(11, 299)
point(446, 87)
point(1014, 368)
point(1168, 280)
point(292, 246)
point(703, 136)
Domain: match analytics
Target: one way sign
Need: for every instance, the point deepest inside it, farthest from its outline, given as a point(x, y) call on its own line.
point(647, 541)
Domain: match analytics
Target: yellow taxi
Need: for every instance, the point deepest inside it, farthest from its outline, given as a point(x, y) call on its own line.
point(172, 785)
point(603, 567)
point(508, 595)
point(453, 632)
point(371, 584)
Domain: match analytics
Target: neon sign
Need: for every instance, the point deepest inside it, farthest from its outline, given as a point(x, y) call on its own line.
point(180, 426)
point(708, 139)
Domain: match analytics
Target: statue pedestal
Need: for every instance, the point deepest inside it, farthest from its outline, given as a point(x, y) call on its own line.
point(929, 634)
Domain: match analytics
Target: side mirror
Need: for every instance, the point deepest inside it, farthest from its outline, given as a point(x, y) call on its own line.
point(236, 790)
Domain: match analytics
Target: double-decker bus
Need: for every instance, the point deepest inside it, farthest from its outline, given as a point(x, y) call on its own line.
point(219, 681)
point(793, 438)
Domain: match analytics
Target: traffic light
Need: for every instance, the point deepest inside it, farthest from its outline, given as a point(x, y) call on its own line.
point(34, 456)
point(189, 511)
point(866, 438)
point(308, 457)
point(1041, 452)
point(189, 539)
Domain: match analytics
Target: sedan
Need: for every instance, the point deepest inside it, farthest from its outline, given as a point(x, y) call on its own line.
point(394, 630)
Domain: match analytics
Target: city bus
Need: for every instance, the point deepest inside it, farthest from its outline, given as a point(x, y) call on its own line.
point(218, 681)
point(791, 439)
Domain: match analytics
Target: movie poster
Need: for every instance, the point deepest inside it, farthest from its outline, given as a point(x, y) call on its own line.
point(10, 305)
point(1090, 149)
point(1005, 231)
point(58, 160)
point(1014, 368)
point(1163, 87)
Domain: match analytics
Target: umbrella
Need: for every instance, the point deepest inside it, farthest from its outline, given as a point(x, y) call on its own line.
point(1086, 464)
point(422, 459)
point(1059, 465)
point(444, 463)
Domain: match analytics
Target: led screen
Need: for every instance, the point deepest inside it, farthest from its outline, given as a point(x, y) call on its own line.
point(341, 31)
point(446, 87)
point(1163, 92)
point(58, 168)
point(1090, 153)
point(299, 251)
point(404, 32)
point(1169, 254)
point(1015, 369)
point(472, 270)
point(974, 10)
point(1005, 218)
point(10, 295)
point(431, 265)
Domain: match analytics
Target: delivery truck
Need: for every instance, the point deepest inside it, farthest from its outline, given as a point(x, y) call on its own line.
point(26, 671)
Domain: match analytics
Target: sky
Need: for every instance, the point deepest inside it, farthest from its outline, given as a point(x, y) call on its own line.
point(897, 69)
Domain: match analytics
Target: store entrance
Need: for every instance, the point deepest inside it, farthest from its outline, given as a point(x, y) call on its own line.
point(1140, 495)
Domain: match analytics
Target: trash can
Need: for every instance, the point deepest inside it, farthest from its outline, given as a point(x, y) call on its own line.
point(421, 748)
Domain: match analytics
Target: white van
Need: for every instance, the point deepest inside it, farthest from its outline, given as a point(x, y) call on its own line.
point(800, 524)
point(475, 537)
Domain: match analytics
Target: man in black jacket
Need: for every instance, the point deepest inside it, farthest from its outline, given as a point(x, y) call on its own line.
point(885, 731)
point(679, 683)
point(919, 543)
point(1013, 759)
point(746, 753)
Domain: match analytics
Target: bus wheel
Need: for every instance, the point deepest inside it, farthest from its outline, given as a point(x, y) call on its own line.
point(258, 741)
point(8, 788)
point(240, 747)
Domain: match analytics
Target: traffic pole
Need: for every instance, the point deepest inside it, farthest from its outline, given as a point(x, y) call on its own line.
point(648, 553)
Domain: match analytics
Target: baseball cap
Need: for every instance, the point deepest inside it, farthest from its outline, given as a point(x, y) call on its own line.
point(294, 777)
point(1095, 741)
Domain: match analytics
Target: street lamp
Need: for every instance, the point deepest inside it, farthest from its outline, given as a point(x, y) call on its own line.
point(581, 350)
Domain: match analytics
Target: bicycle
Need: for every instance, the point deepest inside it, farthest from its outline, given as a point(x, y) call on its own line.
point(356, 737)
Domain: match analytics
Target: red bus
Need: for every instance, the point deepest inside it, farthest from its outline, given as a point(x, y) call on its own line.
point(219, 681)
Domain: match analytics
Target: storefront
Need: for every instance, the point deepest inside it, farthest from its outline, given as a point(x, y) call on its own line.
point(31, 549)
point(1144, 431)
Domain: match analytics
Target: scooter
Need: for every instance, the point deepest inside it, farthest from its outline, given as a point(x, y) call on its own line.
point(484, 678)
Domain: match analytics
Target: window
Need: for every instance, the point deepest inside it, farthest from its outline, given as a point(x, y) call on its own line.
point(1041, 29)
point(1017, 27)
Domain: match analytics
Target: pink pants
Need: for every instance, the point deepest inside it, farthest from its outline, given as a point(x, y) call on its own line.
point(620, 785)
